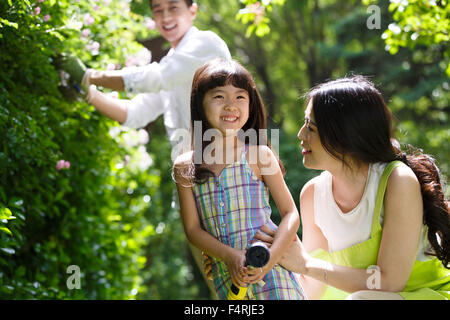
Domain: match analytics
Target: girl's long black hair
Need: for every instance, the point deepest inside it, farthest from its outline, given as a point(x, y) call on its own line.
point(217, 73)
point(354, 124)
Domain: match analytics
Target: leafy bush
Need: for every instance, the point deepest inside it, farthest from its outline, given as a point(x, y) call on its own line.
point(73, 190)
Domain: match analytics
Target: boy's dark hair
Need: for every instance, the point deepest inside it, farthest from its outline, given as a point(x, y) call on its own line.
point(188, 3)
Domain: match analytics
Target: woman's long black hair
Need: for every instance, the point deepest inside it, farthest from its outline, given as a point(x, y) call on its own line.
point(354, 124)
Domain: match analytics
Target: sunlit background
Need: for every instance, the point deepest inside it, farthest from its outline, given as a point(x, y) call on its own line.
point(77, 189)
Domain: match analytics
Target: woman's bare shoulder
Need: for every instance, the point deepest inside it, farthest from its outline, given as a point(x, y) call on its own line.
point(308, 189)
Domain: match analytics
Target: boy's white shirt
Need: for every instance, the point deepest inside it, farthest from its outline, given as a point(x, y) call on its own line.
point(165, 87)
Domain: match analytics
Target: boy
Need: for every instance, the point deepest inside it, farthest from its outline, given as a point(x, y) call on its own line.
point(161, 88)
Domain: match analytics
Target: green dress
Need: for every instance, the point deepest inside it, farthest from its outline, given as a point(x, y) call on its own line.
point(429, 280)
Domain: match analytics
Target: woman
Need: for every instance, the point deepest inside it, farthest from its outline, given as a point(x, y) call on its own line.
point(347, 133)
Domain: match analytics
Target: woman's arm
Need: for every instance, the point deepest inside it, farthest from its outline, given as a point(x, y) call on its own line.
point(399, 243)
point(312, 239)
point(398, 249)
point(295, 256)
point(286, 232)
point(403, 221)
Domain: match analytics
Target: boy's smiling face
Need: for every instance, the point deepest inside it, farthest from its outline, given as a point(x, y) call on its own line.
point(173, 18)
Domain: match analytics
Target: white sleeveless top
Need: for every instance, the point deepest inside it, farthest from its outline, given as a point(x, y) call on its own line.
point(343, 230)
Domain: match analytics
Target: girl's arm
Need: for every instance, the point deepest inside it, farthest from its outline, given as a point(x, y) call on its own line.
point(399, 244)
point(287, 230)
point(233, 258)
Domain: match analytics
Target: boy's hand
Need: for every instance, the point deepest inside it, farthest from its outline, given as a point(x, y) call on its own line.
point(73, 66)
point(79, 75)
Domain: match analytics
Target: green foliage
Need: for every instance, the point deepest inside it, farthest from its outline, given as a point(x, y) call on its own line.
point(5, 214)
point(417, 23)
point(113, 212)
point(313, 41)
point(256, 13)
point(108, 212)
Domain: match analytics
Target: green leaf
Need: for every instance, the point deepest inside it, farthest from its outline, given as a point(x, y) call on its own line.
point(262, 30)
point(5, 213)
point(57, 35)
point(6, 230)
point(115, 217)
point(8, 23)
point(16, 202)
point(250, 30)
point(20, 272)
point(8, 250)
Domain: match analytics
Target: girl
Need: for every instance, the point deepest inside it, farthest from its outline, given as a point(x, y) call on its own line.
point(348, 225)
point(225, 201)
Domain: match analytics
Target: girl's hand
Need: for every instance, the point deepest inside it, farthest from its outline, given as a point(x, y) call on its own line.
point(207, 266)
point(294, 258)
point(235, 261)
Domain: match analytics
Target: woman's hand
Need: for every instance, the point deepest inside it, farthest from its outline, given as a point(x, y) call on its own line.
point(254, 275)
point(294, 258)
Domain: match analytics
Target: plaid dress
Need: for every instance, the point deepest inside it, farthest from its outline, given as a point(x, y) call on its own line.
point(232, 208)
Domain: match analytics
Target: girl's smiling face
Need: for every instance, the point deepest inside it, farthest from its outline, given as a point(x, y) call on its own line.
point(226, 108)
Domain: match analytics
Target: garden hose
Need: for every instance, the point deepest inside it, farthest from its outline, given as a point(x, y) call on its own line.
point(256, 256)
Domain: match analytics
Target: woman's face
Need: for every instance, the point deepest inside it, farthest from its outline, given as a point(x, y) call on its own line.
point(314, 154)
